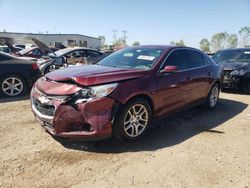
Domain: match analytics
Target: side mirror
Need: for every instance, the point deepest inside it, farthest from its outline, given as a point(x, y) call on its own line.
point(169, 69)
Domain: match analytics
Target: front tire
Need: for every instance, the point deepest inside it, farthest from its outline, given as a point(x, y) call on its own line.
point(12, 86)
point(213, 96)
point(132, 120)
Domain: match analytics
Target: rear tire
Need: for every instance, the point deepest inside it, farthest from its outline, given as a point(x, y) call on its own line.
point(132, 120)
point(12, 86)
point(213, 96)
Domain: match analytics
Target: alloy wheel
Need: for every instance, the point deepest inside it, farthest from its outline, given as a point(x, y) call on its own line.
point(12, 86)
point(136, 120)
point(214, 96)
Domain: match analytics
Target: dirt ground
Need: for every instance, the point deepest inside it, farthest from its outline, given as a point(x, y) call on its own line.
point(195, 148)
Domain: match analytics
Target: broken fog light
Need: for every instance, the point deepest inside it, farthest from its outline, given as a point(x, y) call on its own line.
point(94, 92)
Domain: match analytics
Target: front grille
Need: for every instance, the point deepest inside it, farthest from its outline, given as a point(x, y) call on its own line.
point(44, 109)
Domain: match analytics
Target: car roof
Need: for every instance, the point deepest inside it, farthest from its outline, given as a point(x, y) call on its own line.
point(166, 47)
point(64, 51)
point(229, 49)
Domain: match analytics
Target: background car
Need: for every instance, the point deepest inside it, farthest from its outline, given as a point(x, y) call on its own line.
point(16, 75)
point(121, 93)
point(66, 57)
point(35, 52)
point(69, 56)
point(5, 49)
point(236, 64)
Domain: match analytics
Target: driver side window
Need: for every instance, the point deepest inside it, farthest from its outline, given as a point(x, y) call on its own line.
point(177, 58)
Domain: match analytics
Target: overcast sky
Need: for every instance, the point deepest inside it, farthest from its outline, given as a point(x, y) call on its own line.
point(147, 21)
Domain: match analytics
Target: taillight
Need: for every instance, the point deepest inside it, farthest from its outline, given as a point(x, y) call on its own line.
point(34, 66)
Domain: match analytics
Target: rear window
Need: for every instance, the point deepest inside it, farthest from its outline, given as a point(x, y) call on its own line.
point(196, 59)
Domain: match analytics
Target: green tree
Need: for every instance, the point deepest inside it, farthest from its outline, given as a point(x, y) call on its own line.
point(180, 43)
point(232, 41)
point(219, 41)
point(136, 43)
point(205, 45)
point(119, 43)
point(244, 34)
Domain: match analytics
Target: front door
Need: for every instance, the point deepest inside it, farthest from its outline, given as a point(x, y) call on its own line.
point(174, 88)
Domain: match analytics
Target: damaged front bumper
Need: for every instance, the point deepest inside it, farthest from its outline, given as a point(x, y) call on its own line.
point(233, 81)
point(87, 120)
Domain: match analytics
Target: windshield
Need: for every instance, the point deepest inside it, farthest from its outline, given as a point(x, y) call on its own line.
point(232, 56)
point(133, 58)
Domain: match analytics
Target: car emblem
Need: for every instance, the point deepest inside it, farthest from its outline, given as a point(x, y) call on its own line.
point(43, 100)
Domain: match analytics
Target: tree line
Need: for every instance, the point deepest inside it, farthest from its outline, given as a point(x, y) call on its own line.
point(219, 41)
point(223, 40)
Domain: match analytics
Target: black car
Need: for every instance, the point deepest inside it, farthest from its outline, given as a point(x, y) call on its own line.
point(17, 74)
point(236, 64)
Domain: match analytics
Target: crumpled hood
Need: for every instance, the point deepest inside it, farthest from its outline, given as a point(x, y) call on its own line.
point(235, 65)
point(88, 75)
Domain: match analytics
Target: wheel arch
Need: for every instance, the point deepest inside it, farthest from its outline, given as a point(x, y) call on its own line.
point(217, 81)
point(142, 96)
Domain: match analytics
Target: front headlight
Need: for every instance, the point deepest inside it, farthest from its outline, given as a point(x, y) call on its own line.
point(90, 93)
point(238, 72)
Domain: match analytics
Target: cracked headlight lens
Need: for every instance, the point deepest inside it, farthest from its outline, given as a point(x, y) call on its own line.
point(90, 93)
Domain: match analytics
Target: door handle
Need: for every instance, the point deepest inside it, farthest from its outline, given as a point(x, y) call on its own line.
point(188, 78)
point(209, 74)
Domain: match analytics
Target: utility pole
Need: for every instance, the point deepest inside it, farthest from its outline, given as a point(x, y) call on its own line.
point(125, 36)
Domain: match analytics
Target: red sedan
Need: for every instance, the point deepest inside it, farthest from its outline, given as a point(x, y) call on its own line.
point(121, 94)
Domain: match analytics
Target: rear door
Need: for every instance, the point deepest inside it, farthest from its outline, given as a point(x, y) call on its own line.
point(174, 88)
point(200, 74)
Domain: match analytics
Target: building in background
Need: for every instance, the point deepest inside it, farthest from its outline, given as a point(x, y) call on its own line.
point(52, 39)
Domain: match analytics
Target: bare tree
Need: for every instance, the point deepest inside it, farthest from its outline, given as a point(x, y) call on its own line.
point(219, 41)
point(244, 34)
